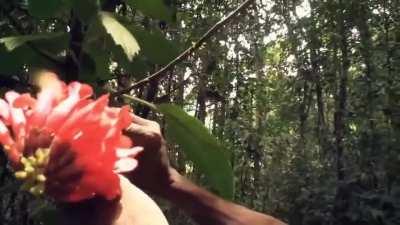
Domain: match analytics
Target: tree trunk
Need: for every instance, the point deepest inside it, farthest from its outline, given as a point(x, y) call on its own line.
point(315, 45)
point(341, 203)
point(73, 60)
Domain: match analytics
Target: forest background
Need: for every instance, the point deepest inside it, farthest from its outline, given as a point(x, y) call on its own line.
point(303, 95)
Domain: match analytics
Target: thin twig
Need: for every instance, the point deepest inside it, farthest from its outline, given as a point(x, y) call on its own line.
point(160, 73)
point(141, 101)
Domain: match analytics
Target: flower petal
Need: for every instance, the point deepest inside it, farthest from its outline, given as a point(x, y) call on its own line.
point(17, 120)
point(24, 101)
point(5, 111)
point(60, 113)
point(52, 91)
point(5, 137)
point(131, 152)
point(8, 144)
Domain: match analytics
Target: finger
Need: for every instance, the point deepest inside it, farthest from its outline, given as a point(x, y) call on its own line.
point(136, 132)
point(143, 136)
point(136, 128)
point(140, 120)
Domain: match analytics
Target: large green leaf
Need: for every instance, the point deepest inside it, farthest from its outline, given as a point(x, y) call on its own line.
point(15, 62)
point(153, 8)
point(153, 43)
point(44, 8)
point(200, 147)
point(88, 72)
point(55, 45)
point(120, 35)
point(15, 54)
point(101, 60)
point(14, 42)
point(137, 68)
point(99, 46)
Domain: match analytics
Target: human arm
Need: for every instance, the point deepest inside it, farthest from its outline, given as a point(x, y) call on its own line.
point(208, 209)
point(157, 176)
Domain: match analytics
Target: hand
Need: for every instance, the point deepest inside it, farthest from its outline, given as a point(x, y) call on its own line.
point(155, 174)
point(153, 171)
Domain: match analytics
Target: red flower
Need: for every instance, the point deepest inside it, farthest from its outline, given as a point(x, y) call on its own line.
point(65, 143)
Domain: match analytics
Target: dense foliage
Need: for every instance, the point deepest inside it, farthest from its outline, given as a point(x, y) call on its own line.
point(304, 95)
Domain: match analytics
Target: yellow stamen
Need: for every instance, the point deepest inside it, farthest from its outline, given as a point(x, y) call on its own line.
point(25, 161)
point(32, 172)
point(21, 175)
point(42, 156)
point(37, 189)
point(29, 169)
point(41, 178)
point(39, 153)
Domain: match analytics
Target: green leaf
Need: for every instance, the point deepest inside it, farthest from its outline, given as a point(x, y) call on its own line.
point(13, 62)
point(152, 8)
point(200, 147)
point(88, 71)
point(139, 67)
point(99, 51)
point(14, 42)
point(55, 45)
point(152, 43)
point(15, 54)
point(120, 35)
point(44, 8)
point(85, 10)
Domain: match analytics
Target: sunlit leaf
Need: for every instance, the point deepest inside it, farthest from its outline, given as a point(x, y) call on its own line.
point(120, 35)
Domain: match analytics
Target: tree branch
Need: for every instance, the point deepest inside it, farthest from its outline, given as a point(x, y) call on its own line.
point(160, 73)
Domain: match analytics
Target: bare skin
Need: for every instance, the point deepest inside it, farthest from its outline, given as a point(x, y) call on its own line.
point(133, 208)
point(155, 174)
